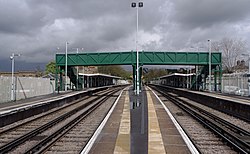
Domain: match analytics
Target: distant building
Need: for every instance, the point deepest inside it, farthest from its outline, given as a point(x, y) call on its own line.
point(240, 66)
point(50, 76)
point(22, 74)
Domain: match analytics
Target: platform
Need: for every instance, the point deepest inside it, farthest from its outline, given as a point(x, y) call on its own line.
point(139, 125)
point(236, 106)
point(13, 111)
point(15, 106)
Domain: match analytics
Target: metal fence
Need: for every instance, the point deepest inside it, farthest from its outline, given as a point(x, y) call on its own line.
point(25, 87)
point(236, 83)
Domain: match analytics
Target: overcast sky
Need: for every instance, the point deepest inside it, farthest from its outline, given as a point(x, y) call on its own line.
point(35, 28)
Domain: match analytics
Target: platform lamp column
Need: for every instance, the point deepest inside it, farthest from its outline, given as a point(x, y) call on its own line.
point(83, 74)
point(66, 65)
point(187, 78)
point(83, 78)
point(209, 65)
point(140, 4)
point(12, 58)
point(77, 68)
point(196, 76)
point(77, 71)
point(58, 77)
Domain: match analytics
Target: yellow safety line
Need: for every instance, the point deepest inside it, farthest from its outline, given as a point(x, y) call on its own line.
point(155, 142)
point(123, 139)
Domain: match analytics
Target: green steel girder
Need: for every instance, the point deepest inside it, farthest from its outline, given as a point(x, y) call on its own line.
point(145, 58)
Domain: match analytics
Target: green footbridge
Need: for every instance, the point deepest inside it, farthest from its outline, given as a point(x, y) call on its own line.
point(200, 59)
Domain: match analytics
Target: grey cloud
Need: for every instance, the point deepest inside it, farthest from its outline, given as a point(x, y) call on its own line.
point(193, 22)
point(37, 27)
point(205, 13)
point(18, 18)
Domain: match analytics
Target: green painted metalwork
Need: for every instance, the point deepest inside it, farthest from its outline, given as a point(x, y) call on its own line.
point(129, 58)
point(145, 58)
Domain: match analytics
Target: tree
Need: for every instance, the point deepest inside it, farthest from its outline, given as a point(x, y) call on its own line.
point(50, 68)
point(154, 73)
point(231, 50)
point(114, 70)
point(39, 71)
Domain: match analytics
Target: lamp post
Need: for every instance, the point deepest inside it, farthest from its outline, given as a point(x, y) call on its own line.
point(59, 81)
point(77, 69)
point(209, 66)
point(187, 77)
point(248, 73)
point(77, 72)
point(12, 58)
point(196, 67)
point(66, 65)
point(140, 4)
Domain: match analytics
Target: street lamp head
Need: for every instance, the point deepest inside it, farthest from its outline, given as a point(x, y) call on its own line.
point(133, 4)
point(14, 55)
point(140, 4)
point(78, 48)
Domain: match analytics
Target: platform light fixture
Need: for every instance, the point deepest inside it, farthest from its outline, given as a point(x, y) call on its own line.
point(209, 65)
point(66, 65)
point(77, 69)
point(140, 4)
point(58, 80)
point(12, 58)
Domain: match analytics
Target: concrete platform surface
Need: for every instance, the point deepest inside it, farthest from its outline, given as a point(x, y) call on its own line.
point(139, 124)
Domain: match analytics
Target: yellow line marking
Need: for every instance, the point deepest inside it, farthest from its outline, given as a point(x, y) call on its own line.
point(155, 142)
point(122, 145)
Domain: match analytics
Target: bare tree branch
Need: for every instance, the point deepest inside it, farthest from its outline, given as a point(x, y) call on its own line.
point(231, 51)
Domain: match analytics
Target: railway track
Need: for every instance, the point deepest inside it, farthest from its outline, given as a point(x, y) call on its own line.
point(236, 137)
point(39, 133)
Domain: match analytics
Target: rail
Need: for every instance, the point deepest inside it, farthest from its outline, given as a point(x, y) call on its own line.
point(233, 135)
